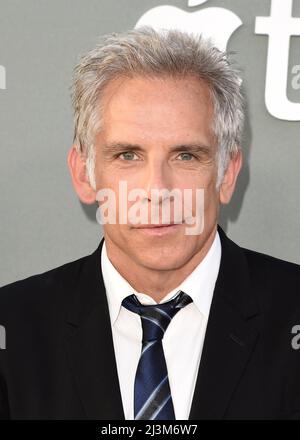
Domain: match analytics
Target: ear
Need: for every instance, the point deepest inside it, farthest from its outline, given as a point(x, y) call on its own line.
point(230, 177)
point(77, 167)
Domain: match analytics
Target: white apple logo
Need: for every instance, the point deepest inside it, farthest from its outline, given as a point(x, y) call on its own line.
point(279, 26)
point(215, 23)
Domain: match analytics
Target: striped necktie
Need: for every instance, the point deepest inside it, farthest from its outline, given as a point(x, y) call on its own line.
point(152, 395)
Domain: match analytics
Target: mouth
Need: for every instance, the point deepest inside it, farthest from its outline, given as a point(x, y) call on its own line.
point(160, 229)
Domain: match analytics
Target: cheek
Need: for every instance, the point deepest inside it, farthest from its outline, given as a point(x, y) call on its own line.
point(211, 195)
point(106, 177)
point(205, 181)
point(108, 173)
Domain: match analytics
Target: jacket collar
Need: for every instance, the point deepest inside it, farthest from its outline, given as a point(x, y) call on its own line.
point(231, 335)
point(89, 342)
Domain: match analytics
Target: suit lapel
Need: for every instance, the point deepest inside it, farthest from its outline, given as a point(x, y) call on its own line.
point(230, 336)
point(89, 343)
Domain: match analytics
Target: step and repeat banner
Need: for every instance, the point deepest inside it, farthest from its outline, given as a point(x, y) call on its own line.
point(43, 224)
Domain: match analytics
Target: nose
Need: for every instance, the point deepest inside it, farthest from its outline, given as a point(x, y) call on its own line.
point(157, 176)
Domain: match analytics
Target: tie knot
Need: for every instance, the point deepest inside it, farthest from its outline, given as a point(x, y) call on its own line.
point(156, 318)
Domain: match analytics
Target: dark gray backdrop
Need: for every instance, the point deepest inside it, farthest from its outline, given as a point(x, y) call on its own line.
point(43, 224)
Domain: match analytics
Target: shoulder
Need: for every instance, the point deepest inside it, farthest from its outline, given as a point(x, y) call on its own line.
point(269, 261)
point(40, 291)
point(260, 265)
point(272, 269)
point(275, 281)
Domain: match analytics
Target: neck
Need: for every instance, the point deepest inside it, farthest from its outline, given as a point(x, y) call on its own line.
point(159, 283)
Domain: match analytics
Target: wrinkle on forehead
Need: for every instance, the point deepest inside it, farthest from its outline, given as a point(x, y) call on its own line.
point(147, 105)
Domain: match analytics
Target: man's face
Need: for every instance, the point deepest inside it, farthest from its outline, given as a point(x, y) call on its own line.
point(144, 120)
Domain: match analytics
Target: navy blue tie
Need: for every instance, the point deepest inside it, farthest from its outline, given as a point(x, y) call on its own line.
point(152, 395)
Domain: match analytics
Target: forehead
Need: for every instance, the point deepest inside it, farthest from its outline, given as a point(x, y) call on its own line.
point(157, 109)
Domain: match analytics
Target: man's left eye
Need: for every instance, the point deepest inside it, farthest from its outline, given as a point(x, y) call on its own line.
point(186, 156)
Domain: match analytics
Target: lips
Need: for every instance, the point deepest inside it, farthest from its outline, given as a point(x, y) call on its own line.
point(149, 226)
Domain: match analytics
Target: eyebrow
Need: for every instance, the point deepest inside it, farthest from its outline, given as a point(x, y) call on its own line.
point(118, 147)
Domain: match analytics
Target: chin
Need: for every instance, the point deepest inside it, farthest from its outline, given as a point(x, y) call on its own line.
point(161, 261)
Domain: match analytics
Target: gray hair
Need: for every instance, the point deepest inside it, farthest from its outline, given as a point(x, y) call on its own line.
point(149, 53)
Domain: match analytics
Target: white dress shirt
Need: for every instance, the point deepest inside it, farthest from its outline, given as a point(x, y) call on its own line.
point(183, 339)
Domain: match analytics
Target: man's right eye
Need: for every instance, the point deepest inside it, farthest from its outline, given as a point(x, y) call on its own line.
point(127, 155)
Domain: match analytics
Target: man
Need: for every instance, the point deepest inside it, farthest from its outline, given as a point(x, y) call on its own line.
point(157, 323)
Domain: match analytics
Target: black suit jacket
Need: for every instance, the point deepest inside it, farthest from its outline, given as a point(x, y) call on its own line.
point(59, 360)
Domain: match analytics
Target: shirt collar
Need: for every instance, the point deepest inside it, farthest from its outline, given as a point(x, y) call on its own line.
point(199, 285)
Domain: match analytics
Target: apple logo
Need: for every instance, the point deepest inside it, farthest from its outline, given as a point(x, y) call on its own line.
point(214, 22)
